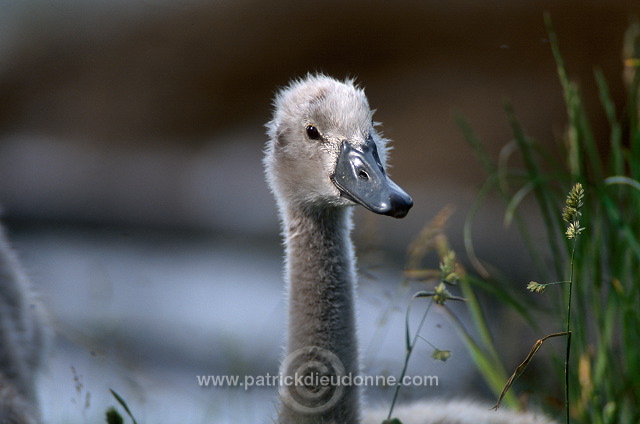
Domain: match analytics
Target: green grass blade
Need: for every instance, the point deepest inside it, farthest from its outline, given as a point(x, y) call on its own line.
point(546, 203)
point(124, 405)
point(493, 373)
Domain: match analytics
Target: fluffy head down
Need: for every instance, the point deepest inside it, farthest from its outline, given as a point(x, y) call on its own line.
point(312, 117)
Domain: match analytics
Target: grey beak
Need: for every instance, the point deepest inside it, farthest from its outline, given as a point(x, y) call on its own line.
point(360, 177)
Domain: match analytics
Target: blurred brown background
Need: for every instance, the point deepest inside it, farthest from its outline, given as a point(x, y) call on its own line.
point(152, 112)
point(150, 115)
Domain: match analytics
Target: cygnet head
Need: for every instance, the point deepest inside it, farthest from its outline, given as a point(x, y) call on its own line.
point(324, 150)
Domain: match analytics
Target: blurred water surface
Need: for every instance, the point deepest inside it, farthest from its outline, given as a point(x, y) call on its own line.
point(145, 311)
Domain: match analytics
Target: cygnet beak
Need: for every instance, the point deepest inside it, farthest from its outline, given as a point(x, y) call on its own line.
point(360, 177)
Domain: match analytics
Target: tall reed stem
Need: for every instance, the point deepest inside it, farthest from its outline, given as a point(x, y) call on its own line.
point(408, 356)
point(567, 357)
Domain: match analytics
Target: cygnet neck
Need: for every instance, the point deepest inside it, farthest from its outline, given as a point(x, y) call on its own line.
point(321, 291)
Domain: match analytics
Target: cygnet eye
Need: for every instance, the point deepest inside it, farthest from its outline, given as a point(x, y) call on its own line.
point(312, 132)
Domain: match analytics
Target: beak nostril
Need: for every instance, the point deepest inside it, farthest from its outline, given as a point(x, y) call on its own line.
point(362, 174)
